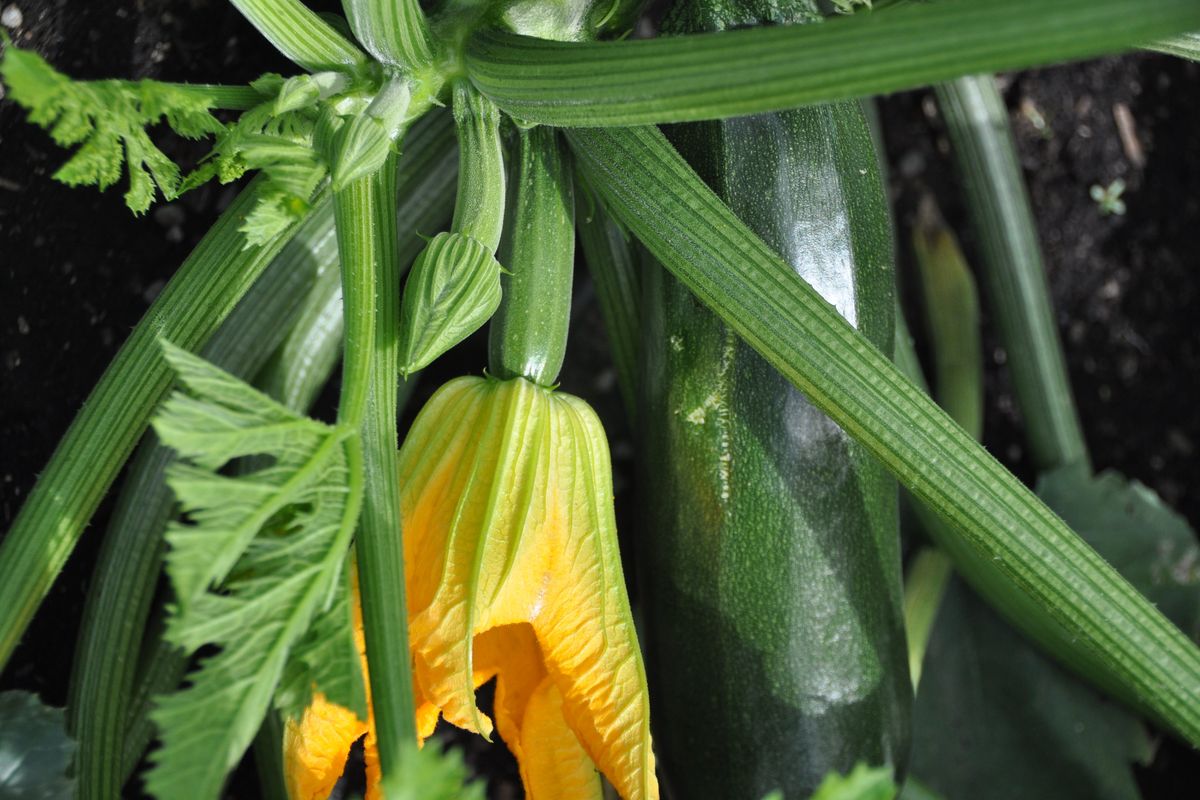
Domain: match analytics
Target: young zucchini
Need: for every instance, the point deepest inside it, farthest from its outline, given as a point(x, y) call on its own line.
point(771, 585)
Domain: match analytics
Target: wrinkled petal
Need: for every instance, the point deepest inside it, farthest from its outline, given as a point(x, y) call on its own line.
point(524, 518)
point(554, 766)
point(315, 748)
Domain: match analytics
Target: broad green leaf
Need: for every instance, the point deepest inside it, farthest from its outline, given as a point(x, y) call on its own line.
point(301, 35)
point(995, 719)
point(277, 538)
point(453, 289)
point(706, 76)
point(35, 751)
point(1006, 541)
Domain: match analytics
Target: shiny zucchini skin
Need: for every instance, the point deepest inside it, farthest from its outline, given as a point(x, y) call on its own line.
point(769, 561)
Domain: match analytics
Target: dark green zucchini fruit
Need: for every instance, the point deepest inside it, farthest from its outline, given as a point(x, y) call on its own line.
point(769, 560)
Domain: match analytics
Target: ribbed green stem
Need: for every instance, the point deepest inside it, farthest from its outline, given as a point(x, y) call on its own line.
point(610, 261)
point(1013, 549)
point(123, 583)
point(195, 302)
point(977, 121)
point(734, 73)
point(479, 207)
point(371, 291)
point(394, 31)
point(300, 34)
point(528, 336)
point(160, 670)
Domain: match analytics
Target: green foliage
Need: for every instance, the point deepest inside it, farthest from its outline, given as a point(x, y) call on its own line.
point(108, 119)
point(454, 288)
point(996, 718)
point(863, 783)
point(35, 751)
point(431, 773)
point(1150, 545)
point(274, 539)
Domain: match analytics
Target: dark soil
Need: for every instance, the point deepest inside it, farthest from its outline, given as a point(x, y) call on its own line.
point(79, 271)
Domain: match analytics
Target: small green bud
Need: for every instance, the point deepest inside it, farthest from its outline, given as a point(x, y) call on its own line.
point(453, 289)
point(301, 91)
point(364, 141)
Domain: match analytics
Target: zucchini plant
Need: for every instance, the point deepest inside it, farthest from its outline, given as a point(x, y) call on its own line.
point(331, 581)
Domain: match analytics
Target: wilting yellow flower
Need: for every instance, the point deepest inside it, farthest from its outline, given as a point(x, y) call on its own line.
point(513, 572)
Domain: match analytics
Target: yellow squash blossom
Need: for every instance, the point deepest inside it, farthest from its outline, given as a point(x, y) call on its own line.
point(512, 572)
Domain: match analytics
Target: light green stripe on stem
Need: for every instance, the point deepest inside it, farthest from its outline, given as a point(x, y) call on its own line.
point(1011, 262)
point(301, 35)
point(1012, 548)
point(394, 31)
point(194, 303)
point(733, 73)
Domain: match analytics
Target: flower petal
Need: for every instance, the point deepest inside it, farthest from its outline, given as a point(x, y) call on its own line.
point(315, 748)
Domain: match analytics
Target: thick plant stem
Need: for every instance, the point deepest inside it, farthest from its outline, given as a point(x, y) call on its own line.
point(301, 35)
point(1012, 268)
point(609, 256)
point(195, 302)
point(528, 335)
point(365, 214)
point(393, 31)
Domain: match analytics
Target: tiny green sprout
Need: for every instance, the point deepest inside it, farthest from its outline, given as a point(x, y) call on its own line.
point(1108, 198)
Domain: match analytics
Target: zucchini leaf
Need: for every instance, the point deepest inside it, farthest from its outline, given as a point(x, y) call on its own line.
point(707, 76)
point(995, 718)
point(276, 538)
point(1006, 541)
point(35, 751)
point(1148, 543)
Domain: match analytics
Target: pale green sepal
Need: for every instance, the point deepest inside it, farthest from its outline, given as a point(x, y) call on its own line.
point(453, 289)
point(364, 142)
